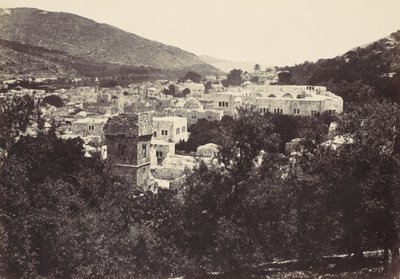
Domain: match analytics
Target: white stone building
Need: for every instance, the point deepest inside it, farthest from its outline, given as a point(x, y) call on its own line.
point(170, 129)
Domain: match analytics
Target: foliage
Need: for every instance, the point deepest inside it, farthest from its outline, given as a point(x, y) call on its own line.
point(203, 132)
point(185, 92)
point(362, 74)
point(16, 115)
point(63, 215)
point(53, 100)
point(234, 78)
point(207, 86)
point(193, 76)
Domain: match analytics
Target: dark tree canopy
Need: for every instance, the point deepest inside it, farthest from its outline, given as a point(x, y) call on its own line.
point(53, 100)
point(185, 92)
point(64, 215)
point(193, 76)
point(234, 78)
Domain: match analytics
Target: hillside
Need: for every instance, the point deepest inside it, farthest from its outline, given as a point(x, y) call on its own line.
point(226, 65)
point(372, 70)
point(64, 38)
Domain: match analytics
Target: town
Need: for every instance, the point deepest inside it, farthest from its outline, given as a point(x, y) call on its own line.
point(191, 139)
point(164, 111)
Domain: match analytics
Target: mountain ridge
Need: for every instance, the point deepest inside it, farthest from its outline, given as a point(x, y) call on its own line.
point(227, 65)
point(97, 42)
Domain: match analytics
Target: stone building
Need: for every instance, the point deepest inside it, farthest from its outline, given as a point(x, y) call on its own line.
point(227, 102)
point(280, 99)
point(297, 100)
point(128, 138)
point(170, 129)
point(106, 103)
point(89, 126)
point(160, 150)
point(196, 89)
point(193, 115)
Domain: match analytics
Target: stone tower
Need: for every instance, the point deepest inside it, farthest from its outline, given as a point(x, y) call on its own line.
point(128, 147)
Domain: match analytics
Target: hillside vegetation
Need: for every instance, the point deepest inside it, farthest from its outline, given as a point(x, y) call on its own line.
point(34, 39)
point(361, 73)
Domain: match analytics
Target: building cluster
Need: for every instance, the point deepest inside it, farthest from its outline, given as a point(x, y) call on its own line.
point(137, 127)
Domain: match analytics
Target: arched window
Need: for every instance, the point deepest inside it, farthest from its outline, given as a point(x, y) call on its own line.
point(287, 95)
point(271, 96)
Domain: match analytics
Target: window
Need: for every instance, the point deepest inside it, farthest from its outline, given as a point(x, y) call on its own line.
point(159, 154)
point(209, 117)
point(194, 117)
point(264, 110)
point(91, 127)
point(183, 129)
point(144, 150)
point(164, 132)
point(296, 111)
point(121, 149)
point(226, 104)
point(278, 111)
point(178, 131)
point(155, 134)
point(313, 112)
point(220, 104)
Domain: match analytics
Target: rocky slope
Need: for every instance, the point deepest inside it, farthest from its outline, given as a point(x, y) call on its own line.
point(64, 37)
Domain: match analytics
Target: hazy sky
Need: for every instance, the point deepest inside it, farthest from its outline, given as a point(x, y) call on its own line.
point(280, 32)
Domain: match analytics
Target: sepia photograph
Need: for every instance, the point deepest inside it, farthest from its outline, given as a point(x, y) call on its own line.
point(200, 139)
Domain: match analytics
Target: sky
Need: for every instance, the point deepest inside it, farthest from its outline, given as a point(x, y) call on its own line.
point(271, 33)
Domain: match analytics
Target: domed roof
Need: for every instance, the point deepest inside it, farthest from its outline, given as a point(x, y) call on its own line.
point(82, 113)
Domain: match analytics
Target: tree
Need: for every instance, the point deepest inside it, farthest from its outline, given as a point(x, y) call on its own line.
point(234, 78)
point(363, 176)
point(242, 142)
point(16, 114)
point(185, 92)
point(112, 83)
point(193, 76)
point(257, 67)
point(207, 86)
point(284, 78)
point(53, 100)
point(171, 90)
point(201, 133)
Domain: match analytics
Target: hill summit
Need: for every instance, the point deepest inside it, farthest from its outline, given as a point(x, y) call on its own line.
point(31, 39)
